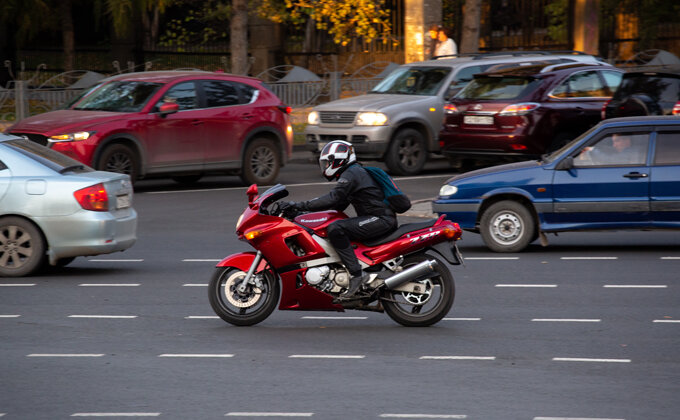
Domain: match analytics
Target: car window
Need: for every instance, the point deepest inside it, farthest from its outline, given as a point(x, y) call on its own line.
point(220, 93)
point(183, 94)
point(47, 157)
point(119, 97)
point(248, 93)
point(584, 84)
point(497, 88)
point(659, 88)
point(612, 79)
point(667, 149)
point(411, 80)
point(619, 149)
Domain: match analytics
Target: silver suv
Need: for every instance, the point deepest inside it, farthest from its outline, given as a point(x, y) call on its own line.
point(399, 120)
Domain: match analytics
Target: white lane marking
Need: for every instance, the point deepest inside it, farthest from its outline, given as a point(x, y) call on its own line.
point(16, 284)
point(491, 258)
point(256, 414)
point(423, 416)
point(195, 285)
point(457, 358)
point(635, 286)
point(109, 284)
point(200, 260)
point(462, 319)
point(10, 316)
point(572, 418)
point(325, 356)
point(115, 414)
point(526, 285)
point(669, 321)
point(202, 317)
point(670, 258)
point(334, 317)
point(195, 355)
point(104, 316)
point(117, 260)
point(65, 355)
point(589, 258)
point(585, 359)
point(564, 320)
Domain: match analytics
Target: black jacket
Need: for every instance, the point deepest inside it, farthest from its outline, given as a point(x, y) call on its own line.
point(355, 187)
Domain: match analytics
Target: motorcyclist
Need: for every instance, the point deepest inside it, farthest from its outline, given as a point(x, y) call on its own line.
point(355, 186)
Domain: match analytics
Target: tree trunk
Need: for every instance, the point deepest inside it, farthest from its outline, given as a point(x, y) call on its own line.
point(238, 43)
point(471, 23)
point(67, 34)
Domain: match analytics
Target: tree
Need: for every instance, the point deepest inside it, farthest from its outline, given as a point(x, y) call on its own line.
point(238, 40)
point(471, 22)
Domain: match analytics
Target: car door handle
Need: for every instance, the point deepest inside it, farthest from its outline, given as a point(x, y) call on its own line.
point(197, 122)
point(246, 116)
point(635, 175)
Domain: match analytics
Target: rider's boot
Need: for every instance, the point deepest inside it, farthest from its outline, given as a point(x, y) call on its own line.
point(355, 284)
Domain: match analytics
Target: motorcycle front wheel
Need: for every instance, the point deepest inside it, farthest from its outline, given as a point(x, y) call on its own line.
point(247, 308)
point(422, 309)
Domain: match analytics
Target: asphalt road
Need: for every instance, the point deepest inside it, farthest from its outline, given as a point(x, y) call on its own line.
point(587, 328)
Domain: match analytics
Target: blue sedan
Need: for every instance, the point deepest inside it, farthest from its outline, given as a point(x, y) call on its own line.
point(623, 173)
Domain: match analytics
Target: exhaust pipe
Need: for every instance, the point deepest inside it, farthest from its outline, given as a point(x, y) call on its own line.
point(412, 273)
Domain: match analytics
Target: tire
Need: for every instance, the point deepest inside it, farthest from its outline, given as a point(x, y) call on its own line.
point(261, 163)
point(121, 159)
point(507, 226)
point(22, 247)
point(242, 310)
point(407, 153)
point(431, 307)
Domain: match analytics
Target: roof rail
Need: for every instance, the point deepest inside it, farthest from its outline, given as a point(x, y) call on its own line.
point(437, 57)
point(528, 52)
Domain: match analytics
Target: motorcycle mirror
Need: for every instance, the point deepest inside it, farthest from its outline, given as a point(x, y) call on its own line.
point(252, 193)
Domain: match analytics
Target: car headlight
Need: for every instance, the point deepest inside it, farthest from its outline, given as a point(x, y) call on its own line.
point(371, 118)
point(79, 136)
point(448, 190)
point(313, 118)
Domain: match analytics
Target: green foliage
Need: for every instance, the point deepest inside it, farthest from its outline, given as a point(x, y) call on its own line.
point(557, 12)
point(201, 25)
point(28, 17)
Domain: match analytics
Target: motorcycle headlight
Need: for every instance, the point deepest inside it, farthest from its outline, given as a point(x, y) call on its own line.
point(238, 222)
point(79, 136)
point(313, 118)
point(371, 118)
point(448, 190)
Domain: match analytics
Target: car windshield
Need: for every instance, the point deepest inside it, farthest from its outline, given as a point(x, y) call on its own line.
point(497, 88)
point(80, 96)
point(413, 81)
point(54, 160)
point(119, 97)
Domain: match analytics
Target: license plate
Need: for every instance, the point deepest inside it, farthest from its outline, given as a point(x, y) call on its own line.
point(123, 201)
point(477, 120)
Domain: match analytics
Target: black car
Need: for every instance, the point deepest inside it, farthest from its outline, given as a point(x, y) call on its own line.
point(646, 91)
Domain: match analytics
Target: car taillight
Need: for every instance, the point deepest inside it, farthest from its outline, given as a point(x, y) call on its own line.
point(285, 109)
point(676, 109)
point(93, 198)
point(603, 112)
point(519, 109)
point(450, 109)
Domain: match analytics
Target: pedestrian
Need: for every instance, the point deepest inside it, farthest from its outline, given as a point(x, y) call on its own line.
point(445, 46)
point(432, 42)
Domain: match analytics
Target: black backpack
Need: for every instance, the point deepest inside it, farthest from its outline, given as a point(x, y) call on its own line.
point(394, 197)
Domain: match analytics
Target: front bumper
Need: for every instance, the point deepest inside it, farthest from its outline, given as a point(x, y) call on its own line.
point(368, 142)
point(465, 214)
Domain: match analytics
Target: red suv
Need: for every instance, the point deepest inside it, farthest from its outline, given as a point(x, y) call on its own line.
point(522, 112)
point(179, 124)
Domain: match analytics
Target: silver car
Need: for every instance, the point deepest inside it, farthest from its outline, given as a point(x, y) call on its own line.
point(54, 208)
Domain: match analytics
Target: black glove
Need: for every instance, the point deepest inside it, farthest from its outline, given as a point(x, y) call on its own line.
point(291, 208)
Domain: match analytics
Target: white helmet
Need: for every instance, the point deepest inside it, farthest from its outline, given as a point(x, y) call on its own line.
point(335, 157)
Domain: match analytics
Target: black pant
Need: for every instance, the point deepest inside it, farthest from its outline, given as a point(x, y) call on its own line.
point(358, 228)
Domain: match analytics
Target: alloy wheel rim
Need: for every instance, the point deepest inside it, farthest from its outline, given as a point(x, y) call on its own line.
point(262, 162)
point(15, 247)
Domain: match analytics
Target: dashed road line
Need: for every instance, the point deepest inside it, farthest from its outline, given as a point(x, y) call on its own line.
point(564, 320)
point(116, 260)
point(190, 355)
point(457, 358)
point(115, 414)
point(585, 359)
point(423, 416)
point(10, 316)
point(65, 355)
point(262, 414)
point(195, 285)
point(202, 317)
point(326, 356)
point(104, 316)
point(335, 317)
point(527, 285)
point(109, 284)
point(17, 284)
point(589, 258)
point(670, 258)
point(461, 319)
point(635, 286)
point(667, 321)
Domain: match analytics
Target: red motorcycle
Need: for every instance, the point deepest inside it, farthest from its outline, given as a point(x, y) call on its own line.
point(409, 274)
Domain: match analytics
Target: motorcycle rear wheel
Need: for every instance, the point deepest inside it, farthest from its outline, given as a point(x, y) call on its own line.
point(249, 308)
point(422, 310)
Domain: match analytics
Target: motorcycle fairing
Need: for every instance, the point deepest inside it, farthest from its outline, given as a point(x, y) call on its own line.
point(242, 261)
point(296, 294)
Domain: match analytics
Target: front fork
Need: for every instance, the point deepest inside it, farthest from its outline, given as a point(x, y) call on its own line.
point(241, 289)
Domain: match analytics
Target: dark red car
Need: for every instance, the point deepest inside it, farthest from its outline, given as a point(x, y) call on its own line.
point(179, 124)
point(522, 112)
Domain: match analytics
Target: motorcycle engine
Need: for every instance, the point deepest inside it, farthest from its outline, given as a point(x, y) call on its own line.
point(327, 279)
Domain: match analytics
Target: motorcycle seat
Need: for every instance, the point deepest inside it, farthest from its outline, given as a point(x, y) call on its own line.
point(401, 230)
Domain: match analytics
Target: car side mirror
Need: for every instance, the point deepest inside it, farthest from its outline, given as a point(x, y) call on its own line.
point(167, 109)
point(565, 164)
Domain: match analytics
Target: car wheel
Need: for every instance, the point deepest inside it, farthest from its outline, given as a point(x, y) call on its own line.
point(119, 158)
point(507, 226)
point(261, 162)
point(407, 153)
point(22, 247)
